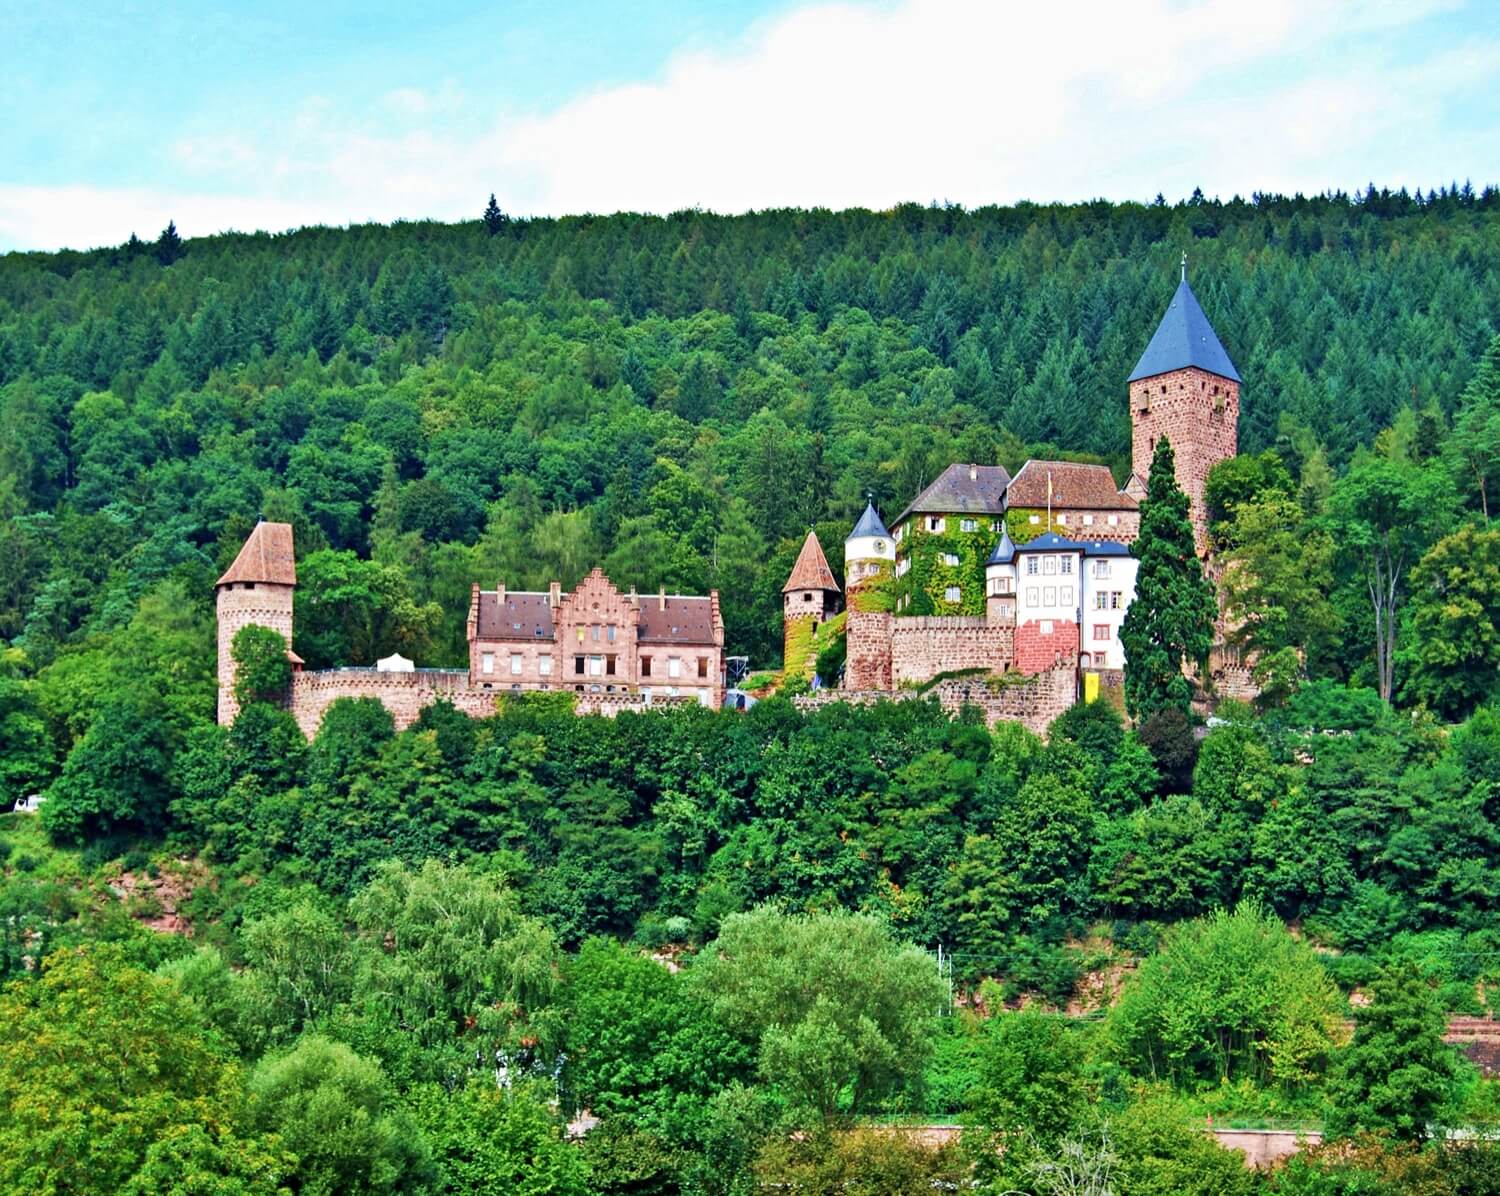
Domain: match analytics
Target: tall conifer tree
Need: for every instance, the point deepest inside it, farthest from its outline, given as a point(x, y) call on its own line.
point(494, 219)
point(1172, 618)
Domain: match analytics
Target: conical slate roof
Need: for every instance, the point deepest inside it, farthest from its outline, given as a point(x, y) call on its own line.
point(1005, 551)
point(1184, 338)
point(811, 572)
point(265, 557)
point(869, 525)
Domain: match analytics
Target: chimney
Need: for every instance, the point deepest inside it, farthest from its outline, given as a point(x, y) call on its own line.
point(499, 593)
point(554, 594)
point(662, 598)
point(973, 473)
point(634, 599)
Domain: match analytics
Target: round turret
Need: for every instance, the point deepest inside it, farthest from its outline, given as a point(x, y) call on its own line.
point(868, 547)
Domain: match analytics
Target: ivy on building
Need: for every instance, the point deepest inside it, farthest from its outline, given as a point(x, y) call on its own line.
point(924, 586)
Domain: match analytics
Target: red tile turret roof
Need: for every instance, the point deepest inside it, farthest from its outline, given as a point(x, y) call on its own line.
point(811, 572)
point(265, 557)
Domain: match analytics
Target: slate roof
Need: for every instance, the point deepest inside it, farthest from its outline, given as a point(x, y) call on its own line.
point(1051, 542)
point(1184, 338)
point(811, 572)
point(265, 556)
point(1105, 548)
point(1005, 550)
point(685, 620)
point(1073, 486)
point(525, 615)
point(869, 525)
point(957, 493)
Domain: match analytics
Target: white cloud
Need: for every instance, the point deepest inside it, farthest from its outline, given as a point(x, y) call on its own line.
point(838, 105)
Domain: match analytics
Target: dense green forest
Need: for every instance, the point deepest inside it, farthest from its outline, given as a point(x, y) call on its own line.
point(238, 962)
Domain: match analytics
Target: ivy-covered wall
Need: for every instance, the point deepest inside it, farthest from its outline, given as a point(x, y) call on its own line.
point(1018, 523)
point(921, 590)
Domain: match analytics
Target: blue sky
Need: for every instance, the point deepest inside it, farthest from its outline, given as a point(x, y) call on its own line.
point(116, 116)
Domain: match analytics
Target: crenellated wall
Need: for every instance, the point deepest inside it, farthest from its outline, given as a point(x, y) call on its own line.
point(924, 646)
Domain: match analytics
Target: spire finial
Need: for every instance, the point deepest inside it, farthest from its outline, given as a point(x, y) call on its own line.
point(1184, 265)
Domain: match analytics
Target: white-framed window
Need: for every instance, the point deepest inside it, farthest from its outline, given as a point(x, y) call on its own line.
point(1065, 565)
point(1062, 521)
point(596, 666)
point(486, 662)
point(934, 523)
point(1049, 565)
point(611, 635)
point(1115, 597)
point(1065, 596)
point(544, 665)
point(674, 667)
point(1101, 568)
point(968, 525)
point(954, 594)
point(950, 558)
point(1049, 595)
point(515, 664)
point(1114, 521)
point(1101, 600)
point(1088, 521)
point(1032, 568)
point(1045, 627)
point(1034, 520)
point(1030, 595)
point(1101, 631)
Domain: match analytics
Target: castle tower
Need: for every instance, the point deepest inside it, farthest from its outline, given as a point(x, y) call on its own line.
point(809, 596)
point(1000, 581)
point(868, 548)
point(1185, 388)
point(257, 588)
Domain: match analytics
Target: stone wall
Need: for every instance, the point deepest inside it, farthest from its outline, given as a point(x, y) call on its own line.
point(238, 604)
point(1199, 412)
point(1038, 650)
point(406, 694)
point(1033, 702)
point(867, 663)
point(926, 645)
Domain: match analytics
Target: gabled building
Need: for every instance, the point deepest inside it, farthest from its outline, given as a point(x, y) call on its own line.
point(1082, 500)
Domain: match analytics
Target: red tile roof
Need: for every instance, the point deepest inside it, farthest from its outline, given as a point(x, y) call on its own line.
point(525, 615)
point(811, 572)
point(1073, 486)
point(266, 556)
point(678, 620)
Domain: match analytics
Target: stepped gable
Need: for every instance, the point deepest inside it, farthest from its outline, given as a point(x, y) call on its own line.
point(266, 556)
point(1184, 339)
point(811, 572)
point(676, 619)
point(1074, 485)
point(869, 525)
point(522, 615)
point(962, 490)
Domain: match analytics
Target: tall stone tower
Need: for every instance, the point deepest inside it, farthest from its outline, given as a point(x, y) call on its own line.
point(809, 596)
point(1185, 388)
point(257, 588)
point(868, 548)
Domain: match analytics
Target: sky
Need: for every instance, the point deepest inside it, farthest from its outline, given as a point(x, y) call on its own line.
point(118, 116)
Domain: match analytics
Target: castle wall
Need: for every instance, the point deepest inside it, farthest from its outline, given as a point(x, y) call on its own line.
point(1038, 650)
point(1199, 412)
point(1082, 523)
point(405, 695)
point(924, 646)
point(1033, 702)
point(867, 639)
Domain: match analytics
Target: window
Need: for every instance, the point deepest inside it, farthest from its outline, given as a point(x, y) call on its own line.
point(515, 664)
point(934, 523)
point(703, 666)
point(1065, 596)
point(1101, 600)
point(1030, 595)
point(580, 633)
point(645, 666)
point(611, 636)
point(1034, 520)
point(950, 558)
point(1045, 627)
point(1088, 521)
point(1031, 566)
point(1065, 566)
point(609, 666)
point(953, 594)
point(1114, 521)
point(594, 633)
point(1049, 565)
point(1062, 520)
point(968, 525)
point(1114, 599)
point(596, 666)
point(1101, 568)
point(807, 597)
point(578, 666)
point(544, 665)
point(1101, 632)
point(1049, 596)
point(674, 666)
point(487, 662)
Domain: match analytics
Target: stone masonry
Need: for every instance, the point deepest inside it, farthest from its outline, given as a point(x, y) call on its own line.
point(1033, 702)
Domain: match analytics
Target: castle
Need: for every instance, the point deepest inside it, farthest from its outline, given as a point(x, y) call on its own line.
point(611, 651)
point(990, 590)
point(1024, 579)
